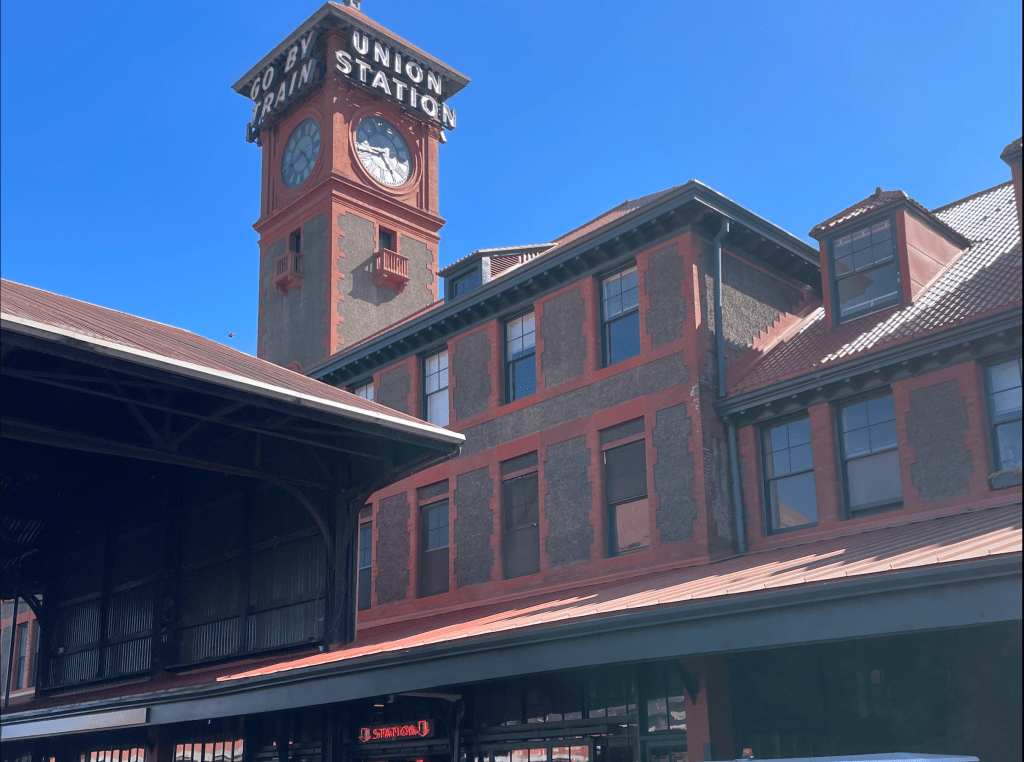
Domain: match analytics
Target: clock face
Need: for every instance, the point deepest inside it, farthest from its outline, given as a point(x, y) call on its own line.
point(383, 152)
point(300, 153)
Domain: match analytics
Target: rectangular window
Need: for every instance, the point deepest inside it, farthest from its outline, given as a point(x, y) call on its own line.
point(864, 269)
point(295, 241)
point(522, 525)
point(365, 391)
point(365, 564)
point(434, 549)
point(789, 475)
point(620, 315)
point(466, 283)
point(871, 464)
point(435, 384)
point(520, 358)
point(1004, 402)
point(20, 674)
point(625, 474)
point(387, 240)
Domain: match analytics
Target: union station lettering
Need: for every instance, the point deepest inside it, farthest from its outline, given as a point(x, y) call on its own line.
point(371, 64)
point(405, 81)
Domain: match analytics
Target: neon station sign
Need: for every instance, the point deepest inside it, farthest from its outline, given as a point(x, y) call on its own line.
point(418, 729)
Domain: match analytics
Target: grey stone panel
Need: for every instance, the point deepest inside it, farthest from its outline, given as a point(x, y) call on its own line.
point(578, 403)
point(936, 423)
point(368, 308)
point(471, 368)
point(520, 463)
point(751, 302)
point(474, 525)
point(565, 342)
point(568, 503)
point(437, 489)
point(393, 549)
point(663, 283)
point(393, 389)
point(673, 474)
point(622, 430)
point(293, 323)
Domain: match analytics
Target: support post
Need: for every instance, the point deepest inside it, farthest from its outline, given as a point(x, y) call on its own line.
point(709, 714)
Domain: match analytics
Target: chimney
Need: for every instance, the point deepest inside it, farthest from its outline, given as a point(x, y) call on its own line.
point(1011, 155)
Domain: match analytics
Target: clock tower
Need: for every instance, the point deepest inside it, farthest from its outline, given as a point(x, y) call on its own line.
point(349, 117)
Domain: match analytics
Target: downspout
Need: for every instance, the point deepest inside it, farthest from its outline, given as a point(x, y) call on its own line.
point(734, 460)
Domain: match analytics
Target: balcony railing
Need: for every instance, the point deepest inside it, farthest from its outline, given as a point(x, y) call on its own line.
point(390, 269)
point(287, 272)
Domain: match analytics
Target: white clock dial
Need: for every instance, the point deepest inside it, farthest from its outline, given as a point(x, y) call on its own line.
point(383, 152)
point(300, 153)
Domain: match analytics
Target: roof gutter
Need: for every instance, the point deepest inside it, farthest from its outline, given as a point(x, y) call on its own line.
point(734, 460)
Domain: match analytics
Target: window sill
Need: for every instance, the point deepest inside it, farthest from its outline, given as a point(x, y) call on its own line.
point(1004, 479)
point(872, 510)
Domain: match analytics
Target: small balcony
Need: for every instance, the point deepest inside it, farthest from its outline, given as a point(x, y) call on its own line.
point(390, 269)
point(287, 272)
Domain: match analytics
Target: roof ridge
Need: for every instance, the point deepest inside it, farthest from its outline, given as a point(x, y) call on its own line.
point(645, 199)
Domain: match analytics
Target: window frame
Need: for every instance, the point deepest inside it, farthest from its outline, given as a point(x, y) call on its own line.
point(424, 530)
point(765, 479)
point(609, 507)
point(367, 568)
point(607, 323)
point(445, 389)
point(1004, 479)
point(508, 362)
point(506, 530)
point(874, 508)
point(833, 276)
point(356, 389)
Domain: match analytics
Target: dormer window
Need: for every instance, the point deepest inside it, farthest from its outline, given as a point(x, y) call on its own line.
point(865, 269)
point(466, 283)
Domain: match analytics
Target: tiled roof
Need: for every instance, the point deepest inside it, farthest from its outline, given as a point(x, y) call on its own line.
point(497, 251)
point(878, 200)
point(964, 537)
point(29, 309)
point(610, 216)
point(985, 279)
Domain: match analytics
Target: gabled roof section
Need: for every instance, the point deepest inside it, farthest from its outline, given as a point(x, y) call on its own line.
point(985, 279)
point(60, 319)
point(501, 251)
point(881, 199)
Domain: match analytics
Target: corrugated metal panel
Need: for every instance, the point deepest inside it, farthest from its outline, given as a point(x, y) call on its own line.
point(208, 641)
point(127, 658)
point(75, 668)
point(210, 591)
point(130, 612)
point(78, 625)
point(289, 625)
point(287, 572)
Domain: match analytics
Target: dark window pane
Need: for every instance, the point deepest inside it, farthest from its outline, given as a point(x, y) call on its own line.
point(868, 290)
point(793, 501)
point(626, 472)
point(522, 530)
point(657, 714)
point(434, 572)
point(523, 377)
point(624, 338)
point(874, 480)
point(467, 284)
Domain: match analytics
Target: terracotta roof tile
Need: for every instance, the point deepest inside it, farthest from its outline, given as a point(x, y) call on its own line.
point(986, 278)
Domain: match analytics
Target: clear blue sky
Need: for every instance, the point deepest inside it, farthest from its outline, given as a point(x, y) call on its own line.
point(126, 179)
